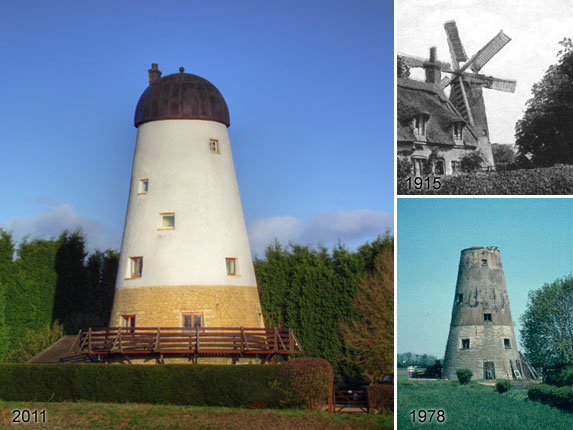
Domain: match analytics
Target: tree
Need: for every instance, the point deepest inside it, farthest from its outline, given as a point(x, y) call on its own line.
point(503, 156)
point(546, 129)
point(548, 324)
point(370, 337)
point(472, 162)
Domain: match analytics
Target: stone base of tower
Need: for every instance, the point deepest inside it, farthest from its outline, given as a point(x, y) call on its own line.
point(165, 306)
point(487, 352)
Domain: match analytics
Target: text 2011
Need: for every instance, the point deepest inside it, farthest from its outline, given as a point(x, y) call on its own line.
point(27, 416)
point(426, 183)
point(428, 415)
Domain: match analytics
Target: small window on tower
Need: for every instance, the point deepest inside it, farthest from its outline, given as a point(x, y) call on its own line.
point(214, 145)
point(143, 186)
point(167, 220)
point(135, 267)
point(507, 343)
point(231, 266)
point(487, 317)
point(484, 263)
point(460, 298)
point(465, 344)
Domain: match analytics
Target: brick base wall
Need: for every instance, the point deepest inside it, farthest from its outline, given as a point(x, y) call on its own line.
point(222, 306)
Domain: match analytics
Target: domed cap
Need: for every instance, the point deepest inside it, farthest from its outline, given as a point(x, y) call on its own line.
point(180, 96)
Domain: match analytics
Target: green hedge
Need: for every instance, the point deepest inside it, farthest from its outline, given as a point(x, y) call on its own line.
point(381, 398)
point(503, 385)
point(559, 377)
point(548, 180)
point(208, 385)
point(560, 397)
point(464, 375)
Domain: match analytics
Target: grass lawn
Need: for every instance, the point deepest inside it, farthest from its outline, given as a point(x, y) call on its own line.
point(85, 415)
point(476, 407)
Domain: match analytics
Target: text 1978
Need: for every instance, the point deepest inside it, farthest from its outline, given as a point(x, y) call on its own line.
point(429, 415)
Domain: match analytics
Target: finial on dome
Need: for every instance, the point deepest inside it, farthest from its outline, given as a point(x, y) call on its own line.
point(181, 69)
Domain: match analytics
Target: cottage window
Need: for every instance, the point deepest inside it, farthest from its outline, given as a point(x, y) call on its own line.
point(458, 129)
point(456, 166)
point(420, 122)
point(419, 166)
point(135, 267)
point(465, 344)
point(440, 167)
point(507, 343)
point(487, 317)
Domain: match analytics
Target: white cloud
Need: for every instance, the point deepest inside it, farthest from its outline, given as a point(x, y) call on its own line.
point(58, 218)
point(352, 228)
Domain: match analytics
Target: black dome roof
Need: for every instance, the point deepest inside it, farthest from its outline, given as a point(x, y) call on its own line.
point(181, 96)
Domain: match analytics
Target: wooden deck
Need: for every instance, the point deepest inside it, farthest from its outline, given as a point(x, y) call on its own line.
point(232, 342)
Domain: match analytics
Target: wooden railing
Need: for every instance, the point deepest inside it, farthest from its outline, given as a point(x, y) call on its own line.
point(200, 341)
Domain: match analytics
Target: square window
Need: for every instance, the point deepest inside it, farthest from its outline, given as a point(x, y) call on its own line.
point(214, 146)
point(231, 266)
point(507, 343)
point(167, 220)
point(143, 186)
point(135, 267)
point(128, 321)
point(487, 317)
point(192, 319)
point(456, 166)
point(484, 263)
point(465, 344)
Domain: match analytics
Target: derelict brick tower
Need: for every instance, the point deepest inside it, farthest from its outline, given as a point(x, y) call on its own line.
point(185, 258)
point(481, 332)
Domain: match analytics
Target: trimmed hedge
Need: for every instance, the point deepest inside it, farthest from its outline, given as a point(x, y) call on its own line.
point(464, 375)
point(310, 379)
point(381, 398)
point(503, 385)
point(202, 385)
point(560, 397)
point(548, 180)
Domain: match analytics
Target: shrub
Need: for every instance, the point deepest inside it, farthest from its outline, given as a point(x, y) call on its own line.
point(404, 168)
point(559, 377)
point(35, 342)
point(464, 375)
point(503, 385)
point(310, 380)
point(559, 397)
point(381, 398)
point(472, 162)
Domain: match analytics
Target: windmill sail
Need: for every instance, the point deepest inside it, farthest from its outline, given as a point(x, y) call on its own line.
point(505, 85)
point(456, 48)
point(488, 51)
point(412, 62)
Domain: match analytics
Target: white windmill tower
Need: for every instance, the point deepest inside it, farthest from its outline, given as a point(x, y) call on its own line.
point(466, 88)
point(185, 258)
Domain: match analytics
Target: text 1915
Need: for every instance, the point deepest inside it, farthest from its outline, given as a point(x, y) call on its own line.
point(424, 183)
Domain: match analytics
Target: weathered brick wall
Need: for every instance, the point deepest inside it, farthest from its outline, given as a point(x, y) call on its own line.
point(486, 344)
point(222, 306)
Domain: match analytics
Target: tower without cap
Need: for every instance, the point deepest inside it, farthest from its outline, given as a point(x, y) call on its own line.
point(481, 332)
point(185, 258)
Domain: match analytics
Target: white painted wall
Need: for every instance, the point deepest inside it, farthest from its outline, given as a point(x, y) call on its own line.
point(200, 187)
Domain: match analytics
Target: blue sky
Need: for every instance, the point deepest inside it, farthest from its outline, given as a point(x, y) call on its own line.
point(533, 235)
point(308, 84)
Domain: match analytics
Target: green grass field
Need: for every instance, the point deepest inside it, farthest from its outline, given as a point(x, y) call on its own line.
point(475, 407)
point(85, 415)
